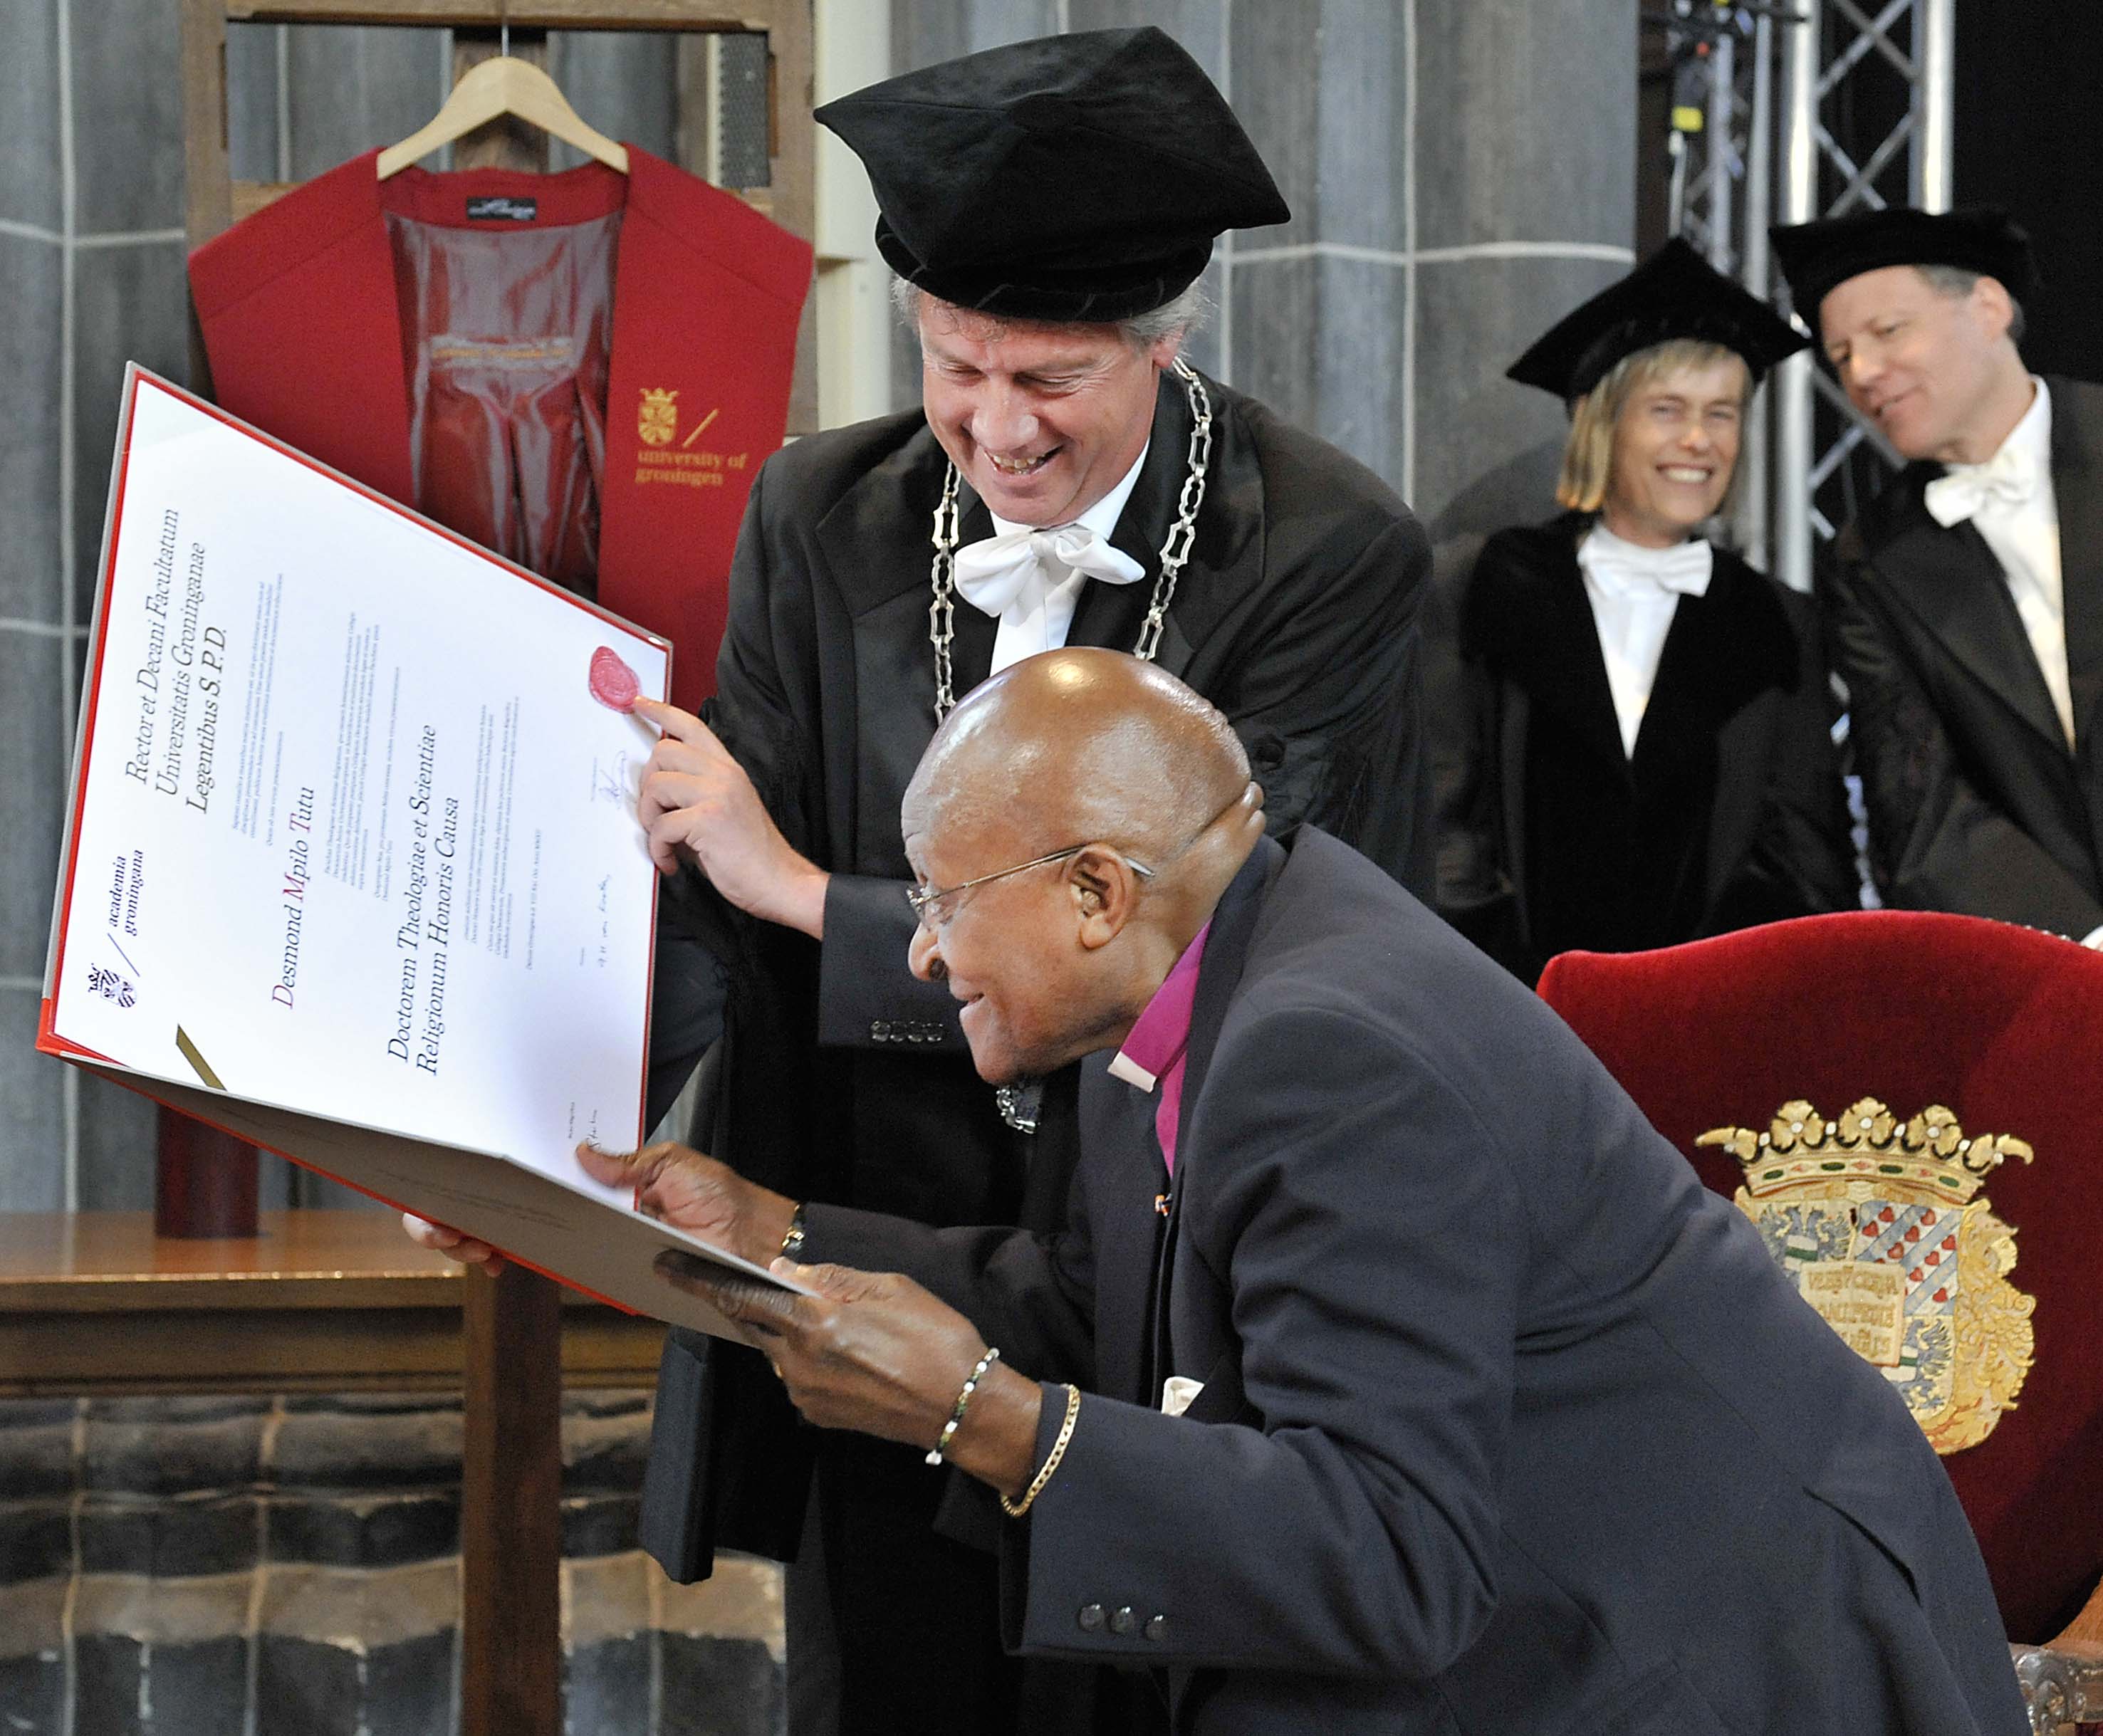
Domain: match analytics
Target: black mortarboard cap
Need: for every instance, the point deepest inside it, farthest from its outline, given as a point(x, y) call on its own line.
point(1675, 293)
point(1076, 177)
point(1818, 257)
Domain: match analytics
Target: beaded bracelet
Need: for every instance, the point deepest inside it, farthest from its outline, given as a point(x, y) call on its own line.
point(963, 1398)
point(1016, 1509)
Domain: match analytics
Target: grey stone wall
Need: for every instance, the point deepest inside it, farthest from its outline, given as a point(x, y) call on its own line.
point(90, 263)
point(1461, 173)
point(291, 1567)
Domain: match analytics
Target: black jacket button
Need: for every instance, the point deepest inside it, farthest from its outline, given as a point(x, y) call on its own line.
point(1157, 1627)
point(1124, 1621)
point(1091, 1617)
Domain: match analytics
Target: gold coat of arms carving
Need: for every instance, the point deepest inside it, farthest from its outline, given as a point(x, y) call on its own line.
point(1882, 1224)
point(657, 419)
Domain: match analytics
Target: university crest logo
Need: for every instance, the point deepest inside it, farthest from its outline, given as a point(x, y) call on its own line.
point(658, 419)
point(1882, 1224)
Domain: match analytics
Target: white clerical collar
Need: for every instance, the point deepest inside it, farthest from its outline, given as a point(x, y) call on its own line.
point(1101, 518)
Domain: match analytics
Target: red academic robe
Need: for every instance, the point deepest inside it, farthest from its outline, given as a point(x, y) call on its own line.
point(314, 319)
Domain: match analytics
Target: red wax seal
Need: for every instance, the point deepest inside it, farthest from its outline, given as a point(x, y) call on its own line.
point(613, 684)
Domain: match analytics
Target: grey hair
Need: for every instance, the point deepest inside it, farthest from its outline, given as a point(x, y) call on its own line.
point(1179, 317)
point(1956, 283)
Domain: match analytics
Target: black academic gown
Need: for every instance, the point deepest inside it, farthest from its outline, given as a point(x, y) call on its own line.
point(844, 1079)
point(1976, 803)
point(1552, 836)
point(1495, 1432)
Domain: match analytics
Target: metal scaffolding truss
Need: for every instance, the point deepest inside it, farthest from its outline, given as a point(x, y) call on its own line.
point(1722, 123)
point(1874, 35)
point(1845, 90)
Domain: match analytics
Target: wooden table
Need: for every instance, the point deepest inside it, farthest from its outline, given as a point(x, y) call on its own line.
point(93, 1303)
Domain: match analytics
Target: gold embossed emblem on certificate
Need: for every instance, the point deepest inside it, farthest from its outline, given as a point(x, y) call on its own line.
point(657, 419)
point(1883, 1226)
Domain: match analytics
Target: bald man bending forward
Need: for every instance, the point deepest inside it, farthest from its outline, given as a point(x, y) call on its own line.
point(1492, 1419)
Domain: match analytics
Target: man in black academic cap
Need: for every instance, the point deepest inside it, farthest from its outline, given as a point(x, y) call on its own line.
point(1630, 726)
point(1048, 207)
point(1964, 606)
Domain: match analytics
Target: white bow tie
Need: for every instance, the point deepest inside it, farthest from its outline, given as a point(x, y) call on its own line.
point(1010, 573)
point(1684, 569)
point(2008, 478)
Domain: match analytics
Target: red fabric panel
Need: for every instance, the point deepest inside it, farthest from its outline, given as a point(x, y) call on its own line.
point(2003, 1025)
point(705, 308)
point(298, 310)
point(303, 326)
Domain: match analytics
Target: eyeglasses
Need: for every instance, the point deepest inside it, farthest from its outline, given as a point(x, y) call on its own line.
point(934, 909)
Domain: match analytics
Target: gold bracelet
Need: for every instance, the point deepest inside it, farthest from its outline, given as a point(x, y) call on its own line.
point(1016, 1509)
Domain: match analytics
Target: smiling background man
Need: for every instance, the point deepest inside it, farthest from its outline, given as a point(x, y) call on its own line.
point(1964, 609)
point(1048, 207)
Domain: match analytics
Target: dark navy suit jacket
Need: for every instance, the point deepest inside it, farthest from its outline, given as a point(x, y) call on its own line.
point(1507, 1424)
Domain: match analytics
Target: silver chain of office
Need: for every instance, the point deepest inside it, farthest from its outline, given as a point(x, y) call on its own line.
point(1175, 552)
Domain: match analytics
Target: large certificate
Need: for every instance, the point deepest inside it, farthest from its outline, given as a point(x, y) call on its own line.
point(352, 868)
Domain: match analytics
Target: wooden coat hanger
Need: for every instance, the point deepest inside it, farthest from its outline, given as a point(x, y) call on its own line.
point(499, 86)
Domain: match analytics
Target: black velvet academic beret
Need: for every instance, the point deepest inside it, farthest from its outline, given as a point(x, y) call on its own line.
point(1076, 178)
point(1818, 258)
point(1675, 293)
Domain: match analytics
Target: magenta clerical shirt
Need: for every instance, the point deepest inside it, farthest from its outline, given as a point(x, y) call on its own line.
point(1153, 1052)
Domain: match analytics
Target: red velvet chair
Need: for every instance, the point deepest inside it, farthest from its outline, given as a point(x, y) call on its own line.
point(2003, 1026)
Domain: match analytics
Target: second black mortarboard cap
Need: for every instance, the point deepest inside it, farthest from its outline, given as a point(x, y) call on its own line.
point(1675, 293)
point(1082, 177)
point(1818, 258)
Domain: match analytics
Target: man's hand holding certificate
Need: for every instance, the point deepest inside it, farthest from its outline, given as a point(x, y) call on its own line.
point(353, 867)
